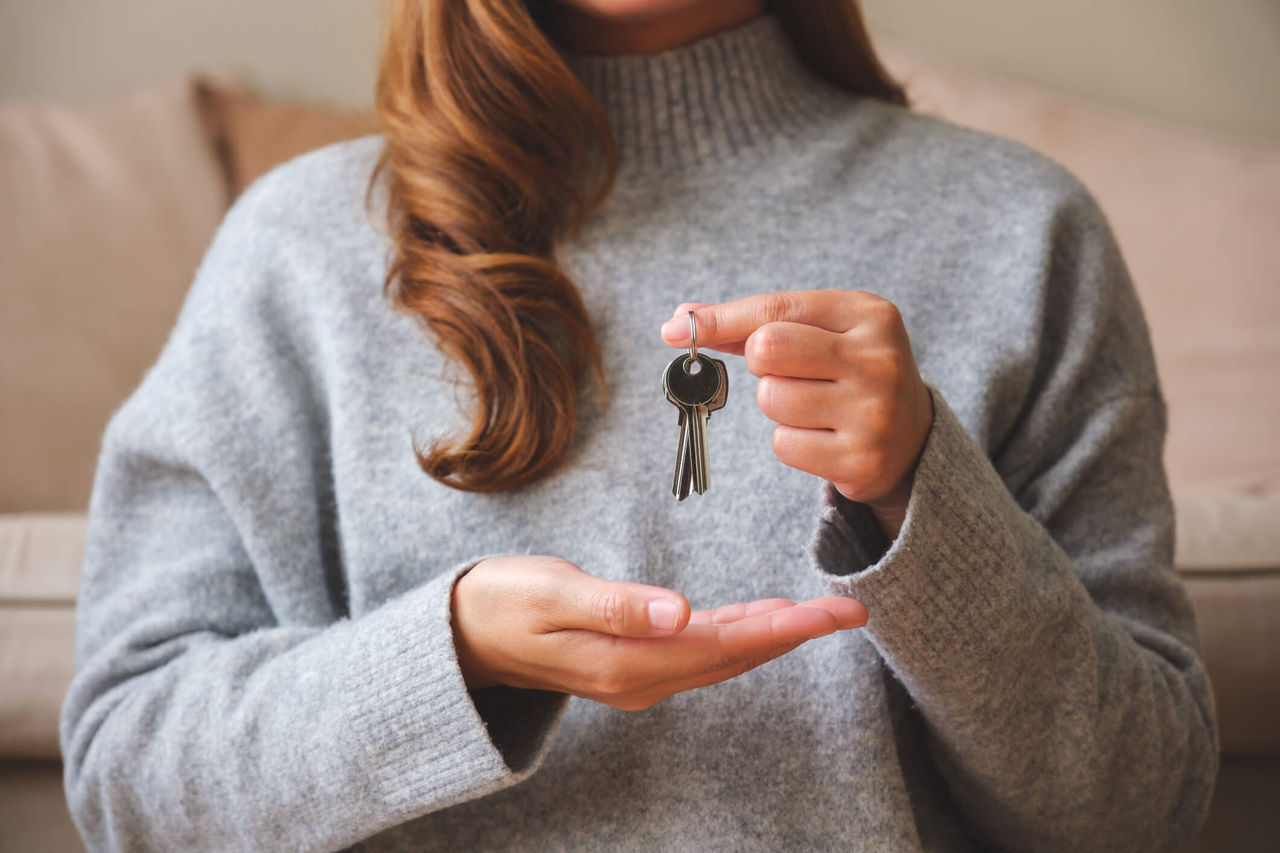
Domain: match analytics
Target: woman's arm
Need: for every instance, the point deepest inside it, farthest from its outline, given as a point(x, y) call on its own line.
point(1034, 616)
point(198, 720)
point(1033, 612)
point(1050, 650)
point(223, 699)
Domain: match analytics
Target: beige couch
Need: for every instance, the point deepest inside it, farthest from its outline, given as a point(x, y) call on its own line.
point(108, 208)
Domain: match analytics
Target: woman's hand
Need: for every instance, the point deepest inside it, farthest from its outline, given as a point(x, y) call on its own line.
point(542, 622)
point(838, 377)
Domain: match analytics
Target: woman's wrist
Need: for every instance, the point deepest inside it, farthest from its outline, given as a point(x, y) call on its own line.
point(474, 672)
point(891, 509)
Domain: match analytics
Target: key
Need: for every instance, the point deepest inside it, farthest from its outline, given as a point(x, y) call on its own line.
point(684, 456)
point(696, 395)
point(686, 474)
point(717, 402)
point(702, 478)
point(698, 433)
point(684, 451)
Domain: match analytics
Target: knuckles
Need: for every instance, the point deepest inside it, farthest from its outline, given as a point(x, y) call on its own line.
point(880, 418)
point(884, 310)
point(862, 475)
point(782, 445)
point(845, 349)
point(764, 348)
point(767, 397)
point(776, 307)
point(883, 315)
point(608, 611)
point(888, 366)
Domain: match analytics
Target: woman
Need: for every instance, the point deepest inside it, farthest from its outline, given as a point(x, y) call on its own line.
point(317, 613)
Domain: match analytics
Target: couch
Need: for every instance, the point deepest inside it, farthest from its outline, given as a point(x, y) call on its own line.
point(108, 206)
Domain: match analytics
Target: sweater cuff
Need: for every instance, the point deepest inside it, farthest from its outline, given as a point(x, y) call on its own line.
point(425, 742)
point(932, 592)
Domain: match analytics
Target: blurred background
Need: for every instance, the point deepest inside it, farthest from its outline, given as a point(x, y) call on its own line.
point(128, 127)
point(1213, 66)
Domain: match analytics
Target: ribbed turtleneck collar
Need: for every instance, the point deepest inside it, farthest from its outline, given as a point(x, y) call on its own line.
point(710, 99)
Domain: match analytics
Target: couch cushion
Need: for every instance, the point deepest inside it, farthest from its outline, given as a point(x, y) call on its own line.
point(1229, 555)
point(40, 559)
point(1197, 219)
point(1227, 534)
point(253, 134)
point(106, 209)
point(37, 660)
point(1236, 612)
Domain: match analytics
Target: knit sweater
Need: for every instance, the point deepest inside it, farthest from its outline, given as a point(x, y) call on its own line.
point(264, 651)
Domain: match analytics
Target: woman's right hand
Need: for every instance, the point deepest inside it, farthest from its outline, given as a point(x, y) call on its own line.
point(544, 623)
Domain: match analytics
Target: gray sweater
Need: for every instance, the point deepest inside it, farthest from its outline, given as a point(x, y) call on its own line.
point(264, 653)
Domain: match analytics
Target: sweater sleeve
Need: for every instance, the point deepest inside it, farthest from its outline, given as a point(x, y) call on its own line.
point(218, 707)
point(1034, 616)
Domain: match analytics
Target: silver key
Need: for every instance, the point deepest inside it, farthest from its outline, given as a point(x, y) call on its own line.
point(696, 394)
point(701, 477)
point(715, 404)
point(684, 455)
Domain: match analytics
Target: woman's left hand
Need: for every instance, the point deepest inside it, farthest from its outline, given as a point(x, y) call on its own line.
point(838, 377)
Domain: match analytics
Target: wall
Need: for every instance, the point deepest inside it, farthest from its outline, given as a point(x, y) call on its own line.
point(1210, 63)
point(325, 50)
point(1214, 64)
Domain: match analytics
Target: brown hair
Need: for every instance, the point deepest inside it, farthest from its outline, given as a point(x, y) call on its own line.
point(497, 153)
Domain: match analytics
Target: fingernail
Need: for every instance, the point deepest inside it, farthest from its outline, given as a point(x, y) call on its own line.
point(663, 613)
point(676, 329)
point(855, 620)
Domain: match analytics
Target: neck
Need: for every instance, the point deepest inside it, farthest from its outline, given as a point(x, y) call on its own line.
point(584, 32)
point(738, 92)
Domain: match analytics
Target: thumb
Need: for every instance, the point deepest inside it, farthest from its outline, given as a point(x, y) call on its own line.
point(622, 609)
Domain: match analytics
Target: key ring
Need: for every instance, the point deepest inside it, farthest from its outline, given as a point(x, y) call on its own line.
point(693, 343)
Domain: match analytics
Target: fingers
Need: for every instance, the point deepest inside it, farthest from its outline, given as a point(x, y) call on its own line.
point(735, 646)
point(730, 322)
point(826, 453)
point(794, 349)
point(748, 639)
point(682, 313)
point(542, 622)
point(683, 309)
point(617, 608)
point(804, 403)
point(733, 612)
point(640, 700)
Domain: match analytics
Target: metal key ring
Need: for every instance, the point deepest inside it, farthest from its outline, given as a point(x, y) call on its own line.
point(693, 342)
